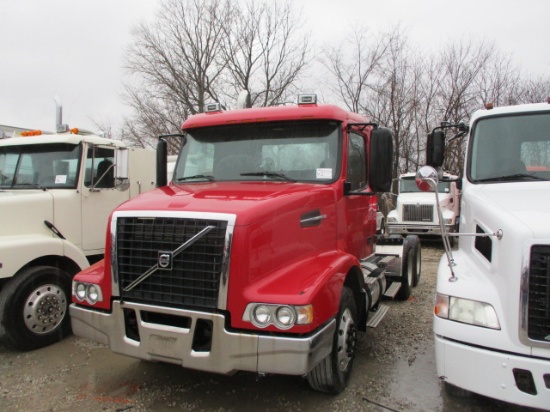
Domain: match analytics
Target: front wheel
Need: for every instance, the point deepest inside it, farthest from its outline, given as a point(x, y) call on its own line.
point(332, 374)
point(34, 308)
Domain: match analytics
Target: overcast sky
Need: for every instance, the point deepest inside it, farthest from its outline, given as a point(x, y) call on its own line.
point(74, 48)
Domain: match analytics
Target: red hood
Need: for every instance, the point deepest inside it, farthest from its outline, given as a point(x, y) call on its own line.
point(252, 202)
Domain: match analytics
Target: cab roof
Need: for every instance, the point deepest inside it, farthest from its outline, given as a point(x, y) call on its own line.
point(59, 138)
point(273, 114)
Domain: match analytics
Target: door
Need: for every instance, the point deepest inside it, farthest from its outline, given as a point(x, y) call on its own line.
point(99, 196)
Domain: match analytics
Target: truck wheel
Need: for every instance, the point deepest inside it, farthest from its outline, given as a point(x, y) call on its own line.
point(417, 252)
point(34, 308)
point(332, 374)
point(409, 268)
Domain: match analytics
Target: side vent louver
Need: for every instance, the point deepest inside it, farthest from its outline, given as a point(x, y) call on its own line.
point(484, 244)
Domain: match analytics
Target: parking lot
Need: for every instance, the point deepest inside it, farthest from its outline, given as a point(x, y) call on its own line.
point(394, 371)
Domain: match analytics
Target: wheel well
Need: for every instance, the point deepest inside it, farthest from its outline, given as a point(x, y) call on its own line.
point(354, 281)
point(60, 262)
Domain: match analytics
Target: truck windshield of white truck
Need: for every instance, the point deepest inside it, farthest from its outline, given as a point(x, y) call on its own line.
point(305, 151)
point(408, 185)
point(513, 148)
point(53, 165)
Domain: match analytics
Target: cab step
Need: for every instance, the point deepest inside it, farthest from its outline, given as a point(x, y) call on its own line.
point(392, 290)
point(376, 317)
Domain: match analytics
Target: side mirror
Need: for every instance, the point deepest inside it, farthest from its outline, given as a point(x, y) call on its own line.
point(381, 160)
point(162, 162)
point(435, 148)
point(122, 183)
point(426, 179)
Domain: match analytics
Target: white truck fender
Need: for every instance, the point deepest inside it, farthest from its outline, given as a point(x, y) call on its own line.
point(24, 249)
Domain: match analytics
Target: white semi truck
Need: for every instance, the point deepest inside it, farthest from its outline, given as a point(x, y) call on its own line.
point(492, 305)
point(416, 212)
point(56, 193)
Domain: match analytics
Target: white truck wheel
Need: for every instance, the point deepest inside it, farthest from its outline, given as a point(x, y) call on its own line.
point(34, 308)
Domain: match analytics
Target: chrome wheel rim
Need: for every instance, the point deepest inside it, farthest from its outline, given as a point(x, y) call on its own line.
point(45, 309)
point(347, 338)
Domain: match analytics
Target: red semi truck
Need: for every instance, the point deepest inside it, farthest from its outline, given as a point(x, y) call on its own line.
point(260, 255)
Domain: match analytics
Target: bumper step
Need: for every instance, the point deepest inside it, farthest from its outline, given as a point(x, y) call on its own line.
point(376, 317)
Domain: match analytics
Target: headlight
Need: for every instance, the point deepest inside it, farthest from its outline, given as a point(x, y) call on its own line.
point(93, 293)
point(80, 291)
point(261, 316)
point(283, 317)
point(392, 219)
point(468, 311)
point(88, 292)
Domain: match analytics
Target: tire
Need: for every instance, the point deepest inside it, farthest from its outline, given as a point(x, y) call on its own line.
point(382, 230)
point(409, 267)
point(332, 374)
point(417, 252)
point(34, 308)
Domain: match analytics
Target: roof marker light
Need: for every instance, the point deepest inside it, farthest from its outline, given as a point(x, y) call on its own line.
point(31, 133)
point(307, 99)
point(213, 107)
point(489, 106)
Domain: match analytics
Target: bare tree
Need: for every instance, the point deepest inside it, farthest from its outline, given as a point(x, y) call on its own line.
point(394, 99)
point(198, 51)
point(535, 90)
point(354, 66)
point(264, 52)
point(175, 65)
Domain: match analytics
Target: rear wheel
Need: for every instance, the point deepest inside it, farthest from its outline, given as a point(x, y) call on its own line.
point(332, 374)
point(417, 252)
point(410, 267)
point(34, 308)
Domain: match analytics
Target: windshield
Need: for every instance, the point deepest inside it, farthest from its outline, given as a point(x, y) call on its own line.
point(513, 148)
point(53, 165)
point(305, 151)
point(408, 185)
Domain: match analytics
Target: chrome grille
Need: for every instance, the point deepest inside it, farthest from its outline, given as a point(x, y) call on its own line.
point(418, 213)
point(193, 279)
point(539, 294)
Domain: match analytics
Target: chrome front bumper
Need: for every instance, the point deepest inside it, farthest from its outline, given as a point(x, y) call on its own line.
point(229, 351)
point(408, 229)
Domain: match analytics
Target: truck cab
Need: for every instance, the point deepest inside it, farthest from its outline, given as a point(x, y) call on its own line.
point(56, 193)
point(260, 254)
point(492, 306)
point(416, 211)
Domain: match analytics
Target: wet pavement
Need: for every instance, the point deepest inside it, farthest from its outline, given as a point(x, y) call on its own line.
point(394, 371)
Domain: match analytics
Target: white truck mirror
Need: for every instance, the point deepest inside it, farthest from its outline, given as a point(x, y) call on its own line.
point(122, 182)
point(427, 179)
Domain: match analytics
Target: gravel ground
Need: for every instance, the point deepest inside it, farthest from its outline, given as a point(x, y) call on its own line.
point(394, 371)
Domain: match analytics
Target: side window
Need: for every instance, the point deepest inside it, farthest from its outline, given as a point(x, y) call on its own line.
point(357, 167)
point(100, 171)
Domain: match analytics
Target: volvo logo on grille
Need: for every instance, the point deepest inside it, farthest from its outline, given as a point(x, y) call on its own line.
point(165, 260)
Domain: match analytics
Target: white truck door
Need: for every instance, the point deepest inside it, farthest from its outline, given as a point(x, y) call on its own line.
point(99, 196)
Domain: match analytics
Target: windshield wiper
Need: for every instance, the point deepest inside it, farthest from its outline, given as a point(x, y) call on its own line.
point(207, 177)
point(508, 178)
point(270, 174)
